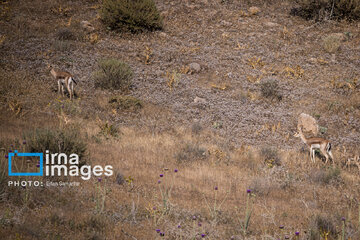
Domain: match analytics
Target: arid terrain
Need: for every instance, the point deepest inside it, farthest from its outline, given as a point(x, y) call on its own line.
point(200, 105)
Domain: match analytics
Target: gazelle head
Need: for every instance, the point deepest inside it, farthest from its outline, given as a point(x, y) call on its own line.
point(297, 134)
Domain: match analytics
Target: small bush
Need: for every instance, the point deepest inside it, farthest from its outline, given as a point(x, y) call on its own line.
point(270, 156)
point(196, 128)
point(331, 43)
point(66, 141)
point(65, 34)
point(113, 74)
point(126, 103)
point(322, 224)
point(108, 130)
point(191, 152)
point(131, 15)
point(62, 45)
point(269, 89)
point(326, 176)
point(326, 9)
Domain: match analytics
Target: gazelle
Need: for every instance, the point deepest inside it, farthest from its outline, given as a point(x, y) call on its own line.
point(316, 143)
point(64, 78)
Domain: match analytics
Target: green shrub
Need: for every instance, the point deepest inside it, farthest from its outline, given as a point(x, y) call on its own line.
point(125, 103)
point(325, 9)
point(66, 141)
point(131, 15)
point(113, 74)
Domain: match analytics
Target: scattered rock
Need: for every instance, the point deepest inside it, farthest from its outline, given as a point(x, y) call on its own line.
point(194, 67)
point(271, 24)
point(162, 34)
point(87, 26)
point(254, 10)
point(225, 23)
point(199, 100)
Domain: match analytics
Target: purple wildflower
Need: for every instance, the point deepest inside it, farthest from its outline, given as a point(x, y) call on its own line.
point(194, 217)
point(37, 165)
point(199, 224)
point(297, 233)
point(179, 226)
point(281, 226)
point(216, 188)
point(159, 181)
point(343, 219)
point(176, 170)
point(161, 175)
point(248, 191)
point(162, 234)
point(24, 142)
point(10, 151)
point(203, 235)
point(157, 230)
point(6, 156)
point(99, 179)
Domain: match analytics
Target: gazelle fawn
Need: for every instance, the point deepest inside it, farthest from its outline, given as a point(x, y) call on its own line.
point(316, 143)
point(64, 79)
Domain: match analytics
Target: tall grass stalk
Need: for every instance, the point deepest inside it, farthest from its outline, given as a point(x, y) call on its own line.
point(215, 207)
point(248, 212)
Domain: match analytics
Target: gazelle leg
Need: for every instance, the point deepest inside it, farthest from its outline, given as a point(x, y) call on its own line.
point(325, 154)
point(59, 86)
point(68, 88)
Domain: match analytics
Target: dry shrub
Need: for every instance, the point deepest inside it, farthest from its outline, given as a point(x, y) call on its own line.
point(125, 103)
point(113, 74)
point(131, 15)
point(308, 123)
point(62, 45)
point(269, 89)
point(270, 156)
point(331, 43)
point(190, 152)
point(65, 34)
point(66, 141)
point(262, 186)
point(321, 224)
point(326, 176)
point(326, 9)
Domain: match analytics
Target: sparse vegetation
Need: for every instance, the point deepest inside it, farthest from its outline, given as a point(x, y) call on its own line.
point(326, 176)
point(125, 103)
point(190, 152)
point(135, 16)
point(326, 9)
point(67, 140)
point(113, 74)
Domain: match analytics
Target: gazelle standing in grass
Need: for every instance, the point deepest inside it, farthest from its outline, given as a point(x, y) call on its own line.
point(316, 143)
point(64, 79)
